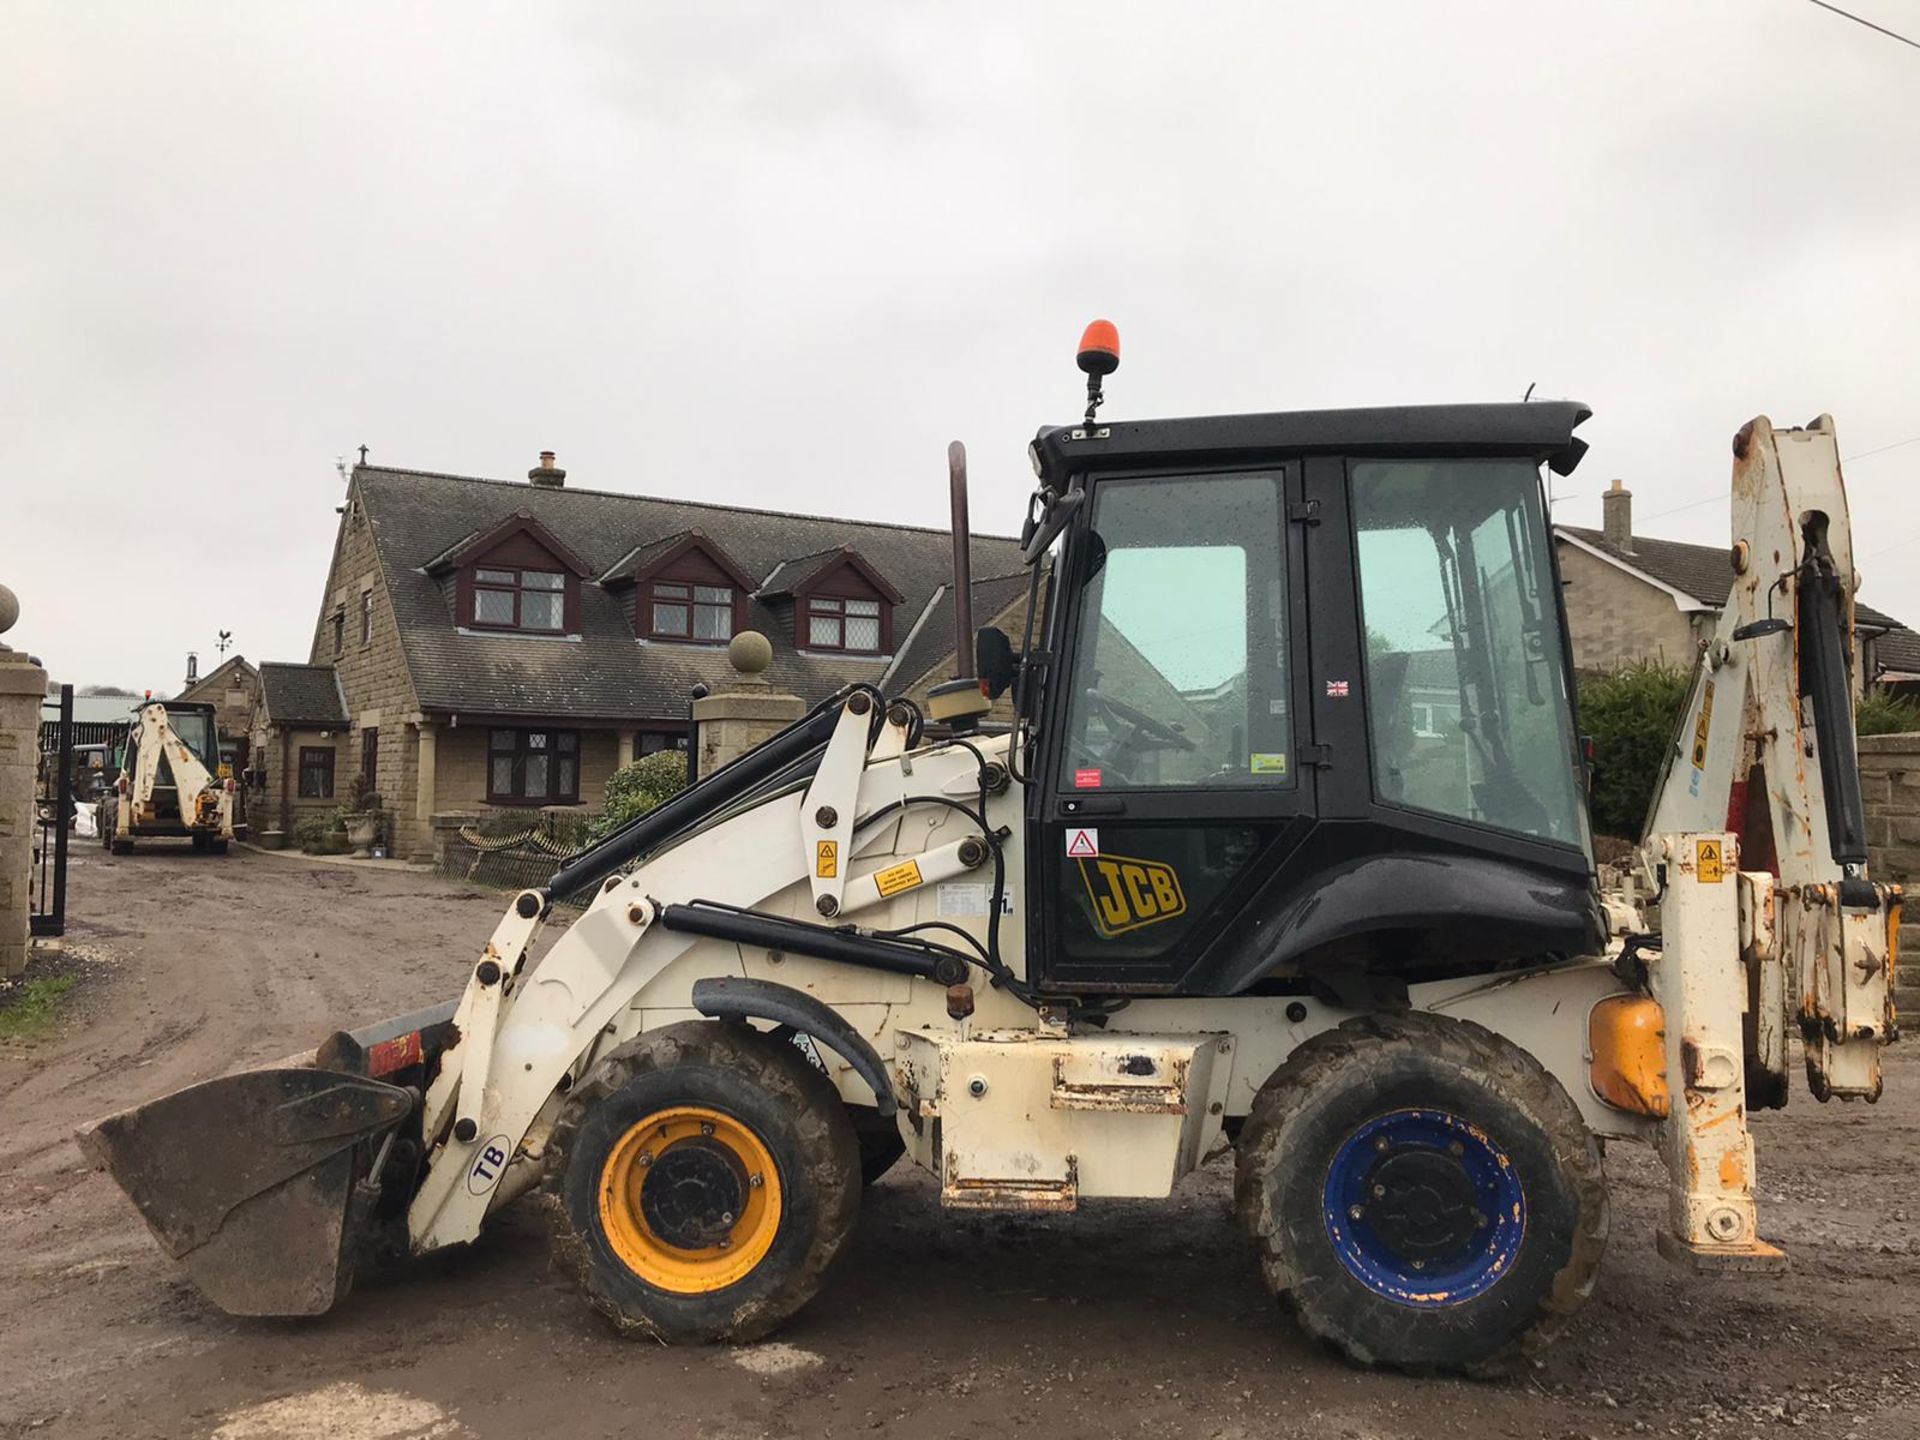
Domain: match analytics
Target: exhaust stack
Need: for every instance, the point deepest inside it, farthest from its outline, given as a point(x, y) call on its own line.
point(961, 701)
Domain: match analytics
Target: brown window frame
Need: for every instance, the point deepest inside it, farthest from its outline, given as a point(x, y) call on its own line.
point(684, 596)
point(560, 748)
point(652, 742)
point(314, 755)
point(518, 590)
point(366, 618)
point(834, 608)
point(339, 632)
point(370, 757)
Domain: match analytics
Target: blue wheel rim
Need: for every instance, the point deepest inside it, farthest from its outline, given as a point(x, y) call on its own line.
point(1452, 1217)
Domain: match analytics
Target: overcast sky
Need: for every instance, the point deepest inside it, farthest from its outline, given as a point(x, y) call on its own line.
point(780, 254)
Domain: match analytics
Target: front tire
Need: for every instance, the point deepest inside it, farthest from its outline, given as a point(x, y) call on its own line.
point(701, 1180)
point(1423, 1194)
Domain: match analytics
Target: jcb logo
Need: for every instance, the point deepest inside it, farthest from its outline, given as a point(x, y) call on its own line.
point(1128, 894)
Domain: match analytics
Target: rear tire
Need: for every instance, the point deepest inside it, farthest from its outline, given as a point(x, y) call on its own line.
point(1423, 1194)
point(700, 1181)
point(216, 847)
point(120, 847)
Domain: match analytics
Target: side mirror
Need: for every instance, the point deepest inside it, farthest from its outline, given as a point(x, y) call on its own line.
point(994, 661)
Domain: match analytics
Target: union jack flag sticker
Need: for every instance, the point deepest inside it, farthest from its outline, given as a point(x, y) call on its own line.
point(1337, 689)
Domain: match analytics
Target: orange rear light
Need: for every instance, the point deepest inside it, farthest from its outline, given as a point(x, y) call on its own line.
point(1100, 348)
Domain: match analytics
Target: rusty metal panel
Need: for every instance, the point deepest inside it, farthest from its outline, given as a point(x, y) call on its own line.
point(1031, 1119)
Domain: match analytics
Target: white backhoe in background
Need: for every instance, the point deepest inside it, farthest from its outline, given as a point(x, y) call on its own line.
point(1218, 885)
point(167, 787)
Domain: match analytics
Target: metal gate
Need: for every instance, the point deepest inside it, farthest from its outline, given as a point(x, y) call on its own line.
point(47, 904)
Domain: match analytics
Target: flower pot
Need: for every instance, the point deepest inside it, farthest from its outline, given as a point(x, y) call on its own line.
point(362, 831)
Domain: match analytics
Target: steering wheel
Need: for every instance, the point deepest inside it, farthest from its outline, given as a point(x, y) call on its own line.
point(1135, 733)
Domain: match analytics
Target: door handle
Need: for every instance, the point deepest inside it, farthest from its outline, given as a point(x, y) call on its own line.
point(1093, 805)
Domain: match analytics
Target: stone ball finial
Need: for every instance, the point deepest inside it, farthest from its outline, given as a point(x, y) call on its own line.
point(9, 609)
point(750, 652)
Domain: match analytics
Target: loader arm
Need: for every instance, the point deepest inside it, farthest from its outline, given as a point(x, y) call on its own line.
point(526, 1033)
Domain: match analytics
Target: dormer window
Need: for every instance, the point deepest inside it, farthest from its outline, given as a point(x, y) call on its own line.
point(519, 599)
point(836, 623)
point(682, 610)
point(834, 602)
point(686, 589)
point(518, 576)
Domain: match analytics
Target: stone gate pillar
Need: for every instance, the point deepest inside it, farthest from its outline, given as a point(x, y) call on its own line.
point(23, 685)
point(745, 711)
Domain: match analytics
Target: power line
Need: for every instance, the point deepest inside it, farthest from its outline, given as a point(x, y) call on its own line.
point(1883, 449)
point(1849, 15)
point(1845, 460)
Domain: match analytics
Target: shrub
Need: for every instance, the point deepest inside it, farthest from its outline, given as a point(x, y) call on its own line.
point(321, 832)
point(635, 789)
point(1630, 713)
point(1880, 712)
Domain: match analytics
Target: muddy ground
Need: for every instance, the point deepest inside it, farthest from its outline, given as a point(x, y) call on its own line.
point(1124, 1319)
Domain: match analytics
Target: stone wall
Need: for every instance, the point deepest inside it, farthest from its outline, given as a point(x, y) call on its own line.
point(279, 805)
point(373, 678)
point(1615, 618)
point(460, 767)
point(1890, 785)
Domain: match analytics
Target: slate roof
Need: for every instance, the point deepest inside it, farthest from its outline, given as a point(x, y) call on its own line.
point(301, 694)
point(932, 644)
point(1898, 651)
point(641, 556)
point(605, 672)
point(1703, 571)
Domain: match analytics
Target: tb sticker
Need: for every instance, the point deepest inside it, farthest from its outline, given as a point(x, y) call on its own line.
point(1129, 894)
point(486, 1169)
point(826, 859)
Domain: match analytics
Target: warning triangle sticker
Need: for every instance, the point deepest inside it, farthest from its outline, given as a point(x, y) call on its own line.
point(1083, 844)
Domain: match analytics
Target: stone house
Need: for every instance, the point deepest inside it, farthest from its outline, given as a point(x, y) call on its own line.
point(1633, 597)
point(485, 643)
point(298, 741)
point(233, 689)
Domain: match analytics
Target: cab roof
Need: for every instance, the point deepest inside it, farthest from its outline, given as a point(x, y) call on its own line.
point(1540, 430)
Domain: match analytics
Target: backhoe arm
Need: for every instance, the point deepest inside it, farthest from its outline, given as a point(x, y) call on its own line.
point(199, 793)
point(1756, 845)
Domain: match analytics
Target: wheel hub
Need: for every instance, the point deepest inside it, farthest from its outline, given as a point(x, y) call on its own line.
point(694, 1194)
point(690, 1199)
point(1424, 1208)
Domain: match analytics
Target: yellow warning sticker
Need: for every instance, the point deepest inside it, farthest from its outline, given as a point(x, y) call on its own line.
point(826, 859)
point(896, 878)
point(1128, 894)
point(1268, 763)
point(1700, 728)
point(1708, 862)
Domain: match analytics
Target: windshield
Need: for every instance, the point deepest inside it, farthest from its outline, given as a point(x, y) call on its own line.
point(196, 728)
point(1467, 689)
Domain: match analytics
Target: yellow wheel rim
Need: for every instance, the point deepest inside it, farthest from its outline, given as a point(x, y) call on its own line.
point(690, 1200)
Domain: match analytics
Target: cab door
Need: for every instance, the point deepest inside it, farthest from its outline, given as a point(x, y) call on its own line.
point(1175, 754)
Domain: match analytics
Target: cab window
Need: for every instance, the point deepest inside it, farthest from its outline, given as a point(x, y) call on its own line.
point(1467, 692)
point(1180, 671)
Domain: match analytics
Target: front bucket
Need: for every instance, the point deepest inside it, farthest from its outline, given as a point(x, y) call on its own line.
point(248, 1180)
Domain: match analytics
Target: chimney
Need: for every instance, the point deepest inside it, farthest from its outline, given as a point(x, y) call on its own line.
point(1616, 517)
point(193, 667)
point(547, 475)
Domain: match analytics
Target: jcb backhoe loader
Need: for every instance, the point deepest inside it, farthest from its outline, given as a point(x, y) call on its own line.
point(165, 787)
point(1287, 850)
